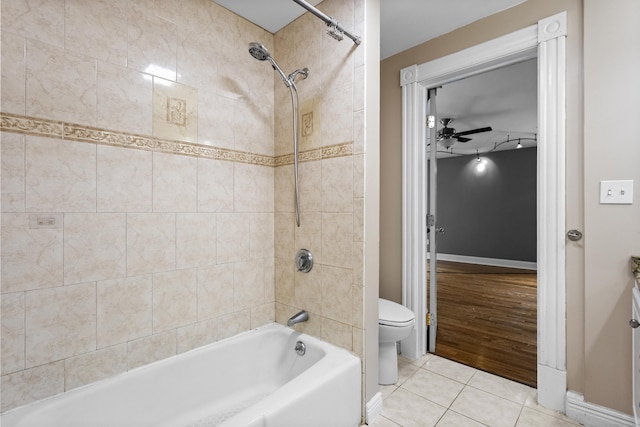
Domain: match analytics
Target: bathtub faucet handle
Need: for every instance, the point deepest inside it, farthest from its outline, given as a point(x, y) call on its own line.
point(300, 317)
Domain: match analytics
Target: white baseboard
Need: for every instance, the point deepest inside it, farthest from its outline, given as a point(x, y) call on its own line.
point(374, 408)
point(592, 415)
point(527, 265)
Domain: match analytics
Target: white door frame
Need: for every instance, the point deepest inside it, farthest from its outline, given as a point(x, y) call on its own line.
point(546, 41)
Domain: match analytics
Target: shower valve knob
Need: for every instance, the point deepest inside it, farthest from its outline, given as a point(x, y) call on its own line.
point(304, 261)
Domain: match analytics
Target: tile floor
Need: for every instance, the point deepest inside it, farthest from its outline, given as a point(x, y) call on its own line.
point(433, 391)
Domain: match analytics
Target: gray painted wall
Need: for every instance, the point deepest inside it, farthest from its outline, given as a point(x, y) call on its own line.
point(489, 214)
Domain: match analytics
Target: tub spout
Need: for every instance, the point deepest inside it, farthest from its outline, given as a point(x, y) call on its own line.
point(303, 316)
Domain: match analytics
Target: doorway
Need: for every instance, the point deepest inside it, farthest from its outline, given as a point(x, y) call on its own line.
point(547, 41)
point(485, 222)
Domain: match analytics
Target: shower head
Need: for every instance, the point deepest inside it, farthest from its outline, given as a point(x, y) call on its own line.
point(258, 51)
point(261, 53)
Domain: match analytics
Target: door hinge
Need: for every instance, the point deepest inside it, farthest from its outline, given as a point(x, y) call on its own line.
point(431, 122)
point(428, 319)
point(431, 220)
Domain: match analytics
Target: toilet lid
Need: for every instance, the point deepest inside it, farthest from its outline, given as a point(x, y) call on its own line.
point(393, 314)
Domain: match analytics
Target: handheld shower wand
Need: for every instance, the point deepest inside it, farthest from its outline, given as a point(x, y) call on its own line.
point(261, 53)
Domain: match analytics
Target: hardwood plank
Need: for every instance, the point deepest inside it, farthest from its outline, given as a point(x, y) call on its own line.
point(487, 318)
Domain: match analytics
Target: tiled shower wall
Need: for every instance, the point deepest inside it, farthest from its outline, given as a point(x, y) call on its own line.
point(331, 177)
point(147, 185)
point(122, 243)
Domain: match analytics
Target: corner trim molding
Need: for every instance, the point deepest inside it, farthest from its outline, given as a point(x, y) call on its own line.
point(592, 415)
point(373, 408)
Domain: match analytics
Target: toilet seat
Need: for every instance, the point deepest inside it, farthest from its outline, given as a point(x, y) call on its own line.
point(394, 314)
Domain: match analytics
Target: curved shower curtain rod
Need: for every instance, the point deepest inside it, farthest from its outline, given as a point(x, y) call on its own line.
point(335, 29)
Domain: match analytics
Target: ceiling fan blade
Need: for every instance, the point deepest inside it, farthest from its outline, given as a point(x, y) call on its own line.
point(463, 139)
point(472, 131)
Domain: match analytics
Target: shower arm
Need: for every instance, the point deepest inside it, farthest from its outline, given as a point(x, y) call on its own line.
point(332, 23)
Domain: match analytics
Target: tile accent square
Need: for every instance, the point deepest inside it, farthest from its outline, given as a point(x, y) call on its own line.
point(175, 111)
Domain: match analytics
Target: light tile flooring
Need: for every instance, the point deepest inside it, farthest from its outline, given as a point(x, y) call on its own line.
point(433, 391)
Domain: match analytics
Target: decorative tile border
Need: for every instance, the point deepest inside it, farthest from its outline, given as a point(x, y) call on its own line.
point(74, 132)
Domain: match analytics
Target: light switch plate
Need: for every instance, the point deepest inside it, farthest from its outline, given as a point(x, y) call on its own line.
point(616, 192)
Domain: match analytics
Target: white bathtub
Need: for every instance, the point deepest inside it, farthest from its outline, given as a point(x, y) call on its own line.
point(253, 379)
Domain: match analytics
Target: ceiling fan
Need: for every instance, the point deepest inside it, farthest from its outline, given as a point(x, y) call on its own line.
point(448, 136)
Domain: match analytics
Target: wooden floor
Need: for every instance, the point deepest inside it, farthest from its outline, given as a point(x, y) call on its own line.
point(487, 318)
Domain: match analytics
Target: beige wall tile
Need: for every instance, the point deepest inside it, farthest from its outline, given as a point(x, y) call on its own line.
point(124, 310)
point(253, 127)
point(309, 236)
point(174, 183)
point(195, 239)
point(151, 243)
point(284, 234)
point(253, 188)
point(337, 333)
point(285, 287)
point(263, 314)
point(310, 186)
point(308, 289)
point(12, 332)
point(215, 290)
point(234, 323)
point(337, 303)
point(31, 258)
point(357, 310)
point(35, 19)
point(60, 323)
point(358, 176)
point(358, 133)
point(337, 184)
point(30, 385)
point(233, 241)
point(94, 247)
point(269, 274)
point(358, 220)
point(97, 28)
point(174, 299)
point(151, 349)
point(337, 239)
point(175, 111)
point(248, 284)
point(124, 99)
point(60, 176)
point(284, 189)
point(337, 113)
point(215, 186)
point(61, 85)
point(124, 180)
point(152, 43)
point(12, 90)
point(12, 172)
point(216, 116)
point(98, 365)
point(197, 335)
point(262, 235)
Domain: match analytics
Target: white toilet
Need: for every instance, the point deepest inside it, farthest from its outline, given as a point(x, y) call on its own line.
point(395, 323)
